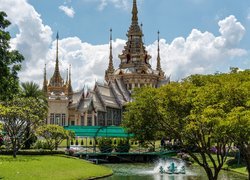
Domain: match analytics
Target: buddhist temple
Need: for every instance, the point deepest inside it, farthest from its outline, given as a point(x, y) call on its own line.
point(104, 104)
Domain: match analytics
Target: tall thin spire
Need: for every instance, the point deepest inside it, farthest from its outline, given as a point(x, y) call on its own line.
point(111, 66)
point(134, 13)
point(70, 90)
point(56, 79)
point(57, 59)
point(110, 69)
point(67, 77)
point(45, 88)
point(158, 67)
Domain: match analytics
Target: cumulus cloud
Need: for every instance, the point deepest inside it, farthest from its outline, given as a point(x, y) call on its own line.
point(69, 11)
point(199, 52)
point(202, 52)
point(88, 61)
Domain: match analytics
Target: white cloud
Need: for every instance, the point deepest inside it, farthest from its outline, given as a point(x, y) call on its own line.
point(33, 39)
point(69, 11)
point(200, 52)
point(231, 30)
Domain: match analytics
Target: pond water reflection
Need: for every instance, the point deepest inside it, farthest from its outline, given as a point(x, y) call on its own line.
point(148, 172)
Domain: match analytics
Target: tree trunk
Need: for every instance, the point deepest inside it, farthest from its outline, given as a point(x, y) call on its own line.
point(14, 152)
point(210, 173)
point(28, 141)
point(14, 149)
point(245, 154)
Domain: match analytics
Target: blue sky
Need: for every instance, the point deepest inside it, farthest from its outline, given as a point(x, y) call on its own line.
point(197, 36)
point(172, 18)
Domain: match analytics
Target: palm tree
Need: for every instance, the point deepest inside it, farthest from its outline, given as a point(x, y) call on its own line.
point(31, 89)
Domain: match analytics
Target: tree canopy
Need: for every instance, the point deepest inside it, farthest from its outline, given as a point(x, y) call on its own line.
point(203, 112)
point(54, 135)
point(10, 62)
point(19, 113)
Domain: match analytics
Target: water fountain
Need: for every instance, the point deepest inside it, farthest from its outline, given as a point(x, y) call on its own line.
point(170, 167)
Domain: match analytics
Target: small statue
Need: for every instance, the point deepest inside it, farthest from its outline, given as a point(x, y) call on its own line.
point(162, 170)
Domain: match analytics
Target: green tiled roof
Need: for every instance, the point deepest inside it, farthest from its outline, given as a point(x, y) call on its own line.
point(99, 131)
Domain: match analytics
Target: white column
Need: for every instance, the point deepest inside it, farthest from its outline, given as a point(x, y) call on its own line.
point(93, 118)
point(85, 118)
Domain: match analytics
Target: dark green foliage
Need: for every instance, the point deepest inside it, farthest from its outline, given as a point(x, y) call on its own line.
point(123, 146)
point(19, 113)
point(105, 145)
point(10, 63)
point(77, 142)
point(32, 152)
point(82, 142)
point(54, 135)
point(202, 112)
point(41, 145)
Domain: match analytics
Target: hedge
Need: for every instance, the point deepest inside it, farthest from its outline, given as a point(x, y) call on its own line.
point(31, 152)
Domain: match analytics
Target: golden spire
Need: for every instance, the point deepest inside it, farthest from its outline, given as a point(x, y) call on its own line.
point(110, 69)
point(57, 60)
point(70, 90)
point(158, 66)
point(111, 66)
point(134, 54)
point(45, 88)
point(67, 77)
point(56, 79)
point(134, 13)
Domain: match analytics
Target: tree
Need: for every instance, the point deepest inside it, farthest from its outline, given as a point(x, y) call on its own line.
point(1, 136)
point(54, 135)
point(17, 114)
point(31, 89)
point(10, 63)
point(196, 112)
point(142, 112)
point(240, 120)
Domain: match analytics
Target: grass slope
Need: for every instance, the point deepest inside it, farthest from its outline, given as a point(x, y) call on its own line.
point(49, 167)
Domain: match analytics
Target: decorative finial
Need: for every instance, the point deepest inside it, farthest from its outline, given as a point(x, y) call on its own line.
point(70, 90)
point(45, 80)
point(57, 61)
point(67, 77)
point(158, 68)
point(158, 35)
point(57, 35)
point(134, 13)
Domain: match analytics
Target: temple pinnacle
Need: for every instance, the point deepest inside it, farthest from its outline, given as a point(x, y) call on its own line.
point(134, 13)
point(158, 68)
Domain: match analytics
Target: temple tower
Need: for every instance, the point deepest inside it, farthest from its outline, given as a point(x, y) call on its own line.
point(135, 69)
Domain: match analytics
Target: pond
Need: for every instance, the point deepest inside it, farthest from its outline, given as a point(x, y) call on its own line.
point(151, 171)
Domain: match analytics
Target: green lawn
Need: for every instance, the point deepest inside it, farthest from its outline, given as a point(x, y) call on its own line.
point(49, 167)
point(239, 169)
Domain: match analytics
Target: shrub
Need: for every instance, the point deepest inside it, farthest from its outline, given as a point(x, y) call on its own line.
point(82, 142)
point(105, 145)
point(41, 145)
point(32, 152)
point(123, 146)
